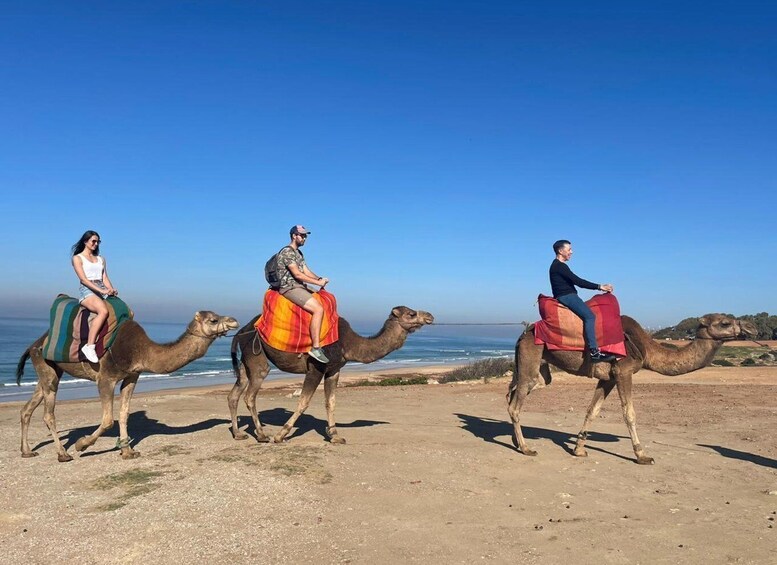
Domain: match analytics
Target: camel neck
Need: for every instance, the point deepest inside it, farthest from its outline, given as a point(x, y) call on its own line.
point(368, 349)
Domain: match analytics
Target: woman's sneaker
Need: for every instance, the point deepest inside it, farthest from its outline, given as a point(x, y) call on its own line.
point(90, 353)
point(597, 356)
point(318, 354)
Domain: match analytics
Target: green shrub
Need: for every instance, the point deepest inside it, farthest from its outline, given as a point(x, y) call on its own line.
point(482, 369)
point(748, 362)
point(394, 381)
point(399, 381)
point(723, 363)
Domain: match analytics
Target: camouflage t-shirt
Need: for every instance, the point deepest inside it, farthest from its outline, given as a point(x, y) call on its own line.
point(286, 257)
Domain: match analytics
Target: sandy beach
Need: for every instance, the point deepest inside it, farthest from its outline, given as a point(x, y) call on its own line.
point(428, 475)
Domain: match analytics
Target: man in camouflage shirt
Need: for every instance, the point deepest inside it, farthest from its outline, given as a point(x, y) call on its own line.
point(294, 278)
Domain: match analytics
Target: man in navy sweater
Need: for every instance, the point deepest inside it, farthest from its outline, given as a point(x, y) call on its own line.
point(563, 282)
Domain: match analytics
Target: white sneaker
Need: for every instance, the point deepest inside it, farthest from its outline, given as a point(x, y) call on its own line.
point(90, 353)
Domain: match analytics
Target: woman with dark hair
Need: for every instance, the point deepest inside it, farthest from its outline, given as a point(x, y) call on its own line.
point(95, 285)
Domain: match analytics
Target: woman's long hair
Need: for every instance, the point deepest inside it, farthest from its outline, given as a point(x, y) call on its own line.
point(81, 243)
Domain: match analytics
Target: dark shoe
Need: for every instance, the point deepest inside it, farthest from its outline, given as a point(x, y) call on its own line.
point(318, 354)
point(597, 356)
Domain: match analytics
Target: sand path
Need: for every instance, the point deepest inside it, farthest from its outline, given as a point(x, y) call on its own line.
point(429, 475)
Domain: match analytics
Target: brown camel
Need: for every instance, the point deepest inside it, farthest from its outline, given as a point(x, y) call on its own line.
point(532, 371)
point(350, 347)
point(132, 353)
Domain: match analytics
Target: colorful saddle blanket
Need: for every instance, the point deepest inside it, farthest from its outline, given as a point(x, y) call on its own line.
point(560, 328)
point(69, 328)
point(284, 325)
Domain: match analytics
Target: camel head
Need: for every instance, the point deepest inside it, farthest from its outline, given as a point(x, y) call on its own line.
point(410, 320)
point(210, 325)
point(724, 328)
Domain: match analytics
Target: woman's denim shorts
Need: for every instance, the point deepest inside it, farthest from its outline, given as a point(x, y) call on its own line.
point(86, 292)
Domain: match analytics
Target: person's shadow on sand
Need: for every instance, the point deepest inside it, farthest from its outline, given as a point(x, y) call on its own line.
point(306, 423)
point(488, 430)
point(742, 455)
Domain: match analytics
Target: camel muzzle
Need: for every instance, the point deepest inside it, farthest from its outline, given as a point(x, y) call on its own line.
point(748, 329)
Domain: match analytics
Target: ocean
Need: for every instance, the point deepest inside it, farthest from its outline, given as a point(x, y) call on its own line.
point(431, 345)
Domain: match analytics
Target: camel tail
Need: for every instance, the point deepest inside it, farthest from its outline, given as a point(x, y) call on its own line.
point(511, 391)
point(240, 341)
point(233, 354)
point(20, 366)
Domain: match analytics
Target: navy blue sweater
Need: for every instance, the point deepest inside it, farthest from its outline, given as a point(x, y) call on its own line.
point(563, 280)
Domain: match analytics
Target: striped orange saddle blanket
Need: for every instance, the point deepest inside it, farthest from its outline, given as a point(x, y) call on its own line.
point(284, 325)
point(560, 328)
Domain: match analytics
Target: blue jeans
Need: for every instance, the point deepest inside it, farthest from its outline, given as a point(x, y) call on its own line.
point(576, 304)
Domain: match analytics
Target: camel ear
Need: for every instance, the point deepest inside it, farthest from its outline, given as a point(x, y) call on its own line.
point(704, 321)
point(197, 316)
point(396, 312)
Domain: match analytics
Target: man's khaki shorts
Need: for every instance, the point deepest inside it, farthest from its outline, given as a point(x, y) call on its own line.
point(298, 295)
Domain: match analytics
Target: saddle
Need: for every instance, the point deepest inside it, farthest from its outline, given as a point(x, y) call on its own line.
point(562, 329)
point(285, 326)
point(69, 328)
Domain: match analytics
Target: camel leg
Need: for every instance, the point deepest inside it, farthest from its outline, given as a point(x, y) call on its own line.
point(519, 390)
point(48, 384)
point(127, 389)
point(105, 388)
point(254, 385)
point(530, 373)
point(254, 367)
point(233, 399)
point(312, 380)
point(26, 415)
point(624, 391)
point(330, 386)
point(50, 402)
point(603, 388)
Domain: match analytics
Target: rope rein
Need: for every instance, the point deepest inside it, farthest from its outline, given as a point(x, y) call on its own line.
point(479, 324)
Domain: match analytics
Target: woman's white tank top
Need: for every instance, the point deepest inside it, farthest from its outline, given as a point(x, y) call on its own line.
point(93, 271)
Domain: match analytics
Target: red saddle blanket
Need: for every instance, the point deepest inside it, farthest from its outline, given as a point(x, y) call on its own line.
point(560, 328)
point(284, 325)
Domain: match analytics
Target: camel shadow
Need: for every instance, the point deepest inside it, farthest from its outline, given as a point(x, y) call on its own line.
point(742, 455)
point(277, 417)
point(140, 427)
point(489, 430)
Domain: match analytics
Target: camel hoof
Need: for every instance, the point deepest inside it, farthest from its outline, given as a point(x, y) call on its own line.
point(644, 460)
point(29, 454)
point(277, 439)
point(64, 458)
point(81, 444)
point(529, 452)
point(337, 440)
point(240, 436)
point(130, 455)
point(581, 453)
point(264, 439)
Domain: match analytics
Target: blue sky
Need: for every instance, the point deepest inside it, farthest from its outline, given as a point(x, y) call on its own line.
point(435, 150)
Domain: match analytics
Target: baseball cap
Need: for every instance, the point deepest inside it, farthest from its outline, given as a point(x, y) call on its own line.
point(298, 229)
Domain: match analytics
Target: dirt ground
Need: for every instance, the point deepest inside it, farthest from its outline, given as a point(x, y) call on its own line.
point(428, 475)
